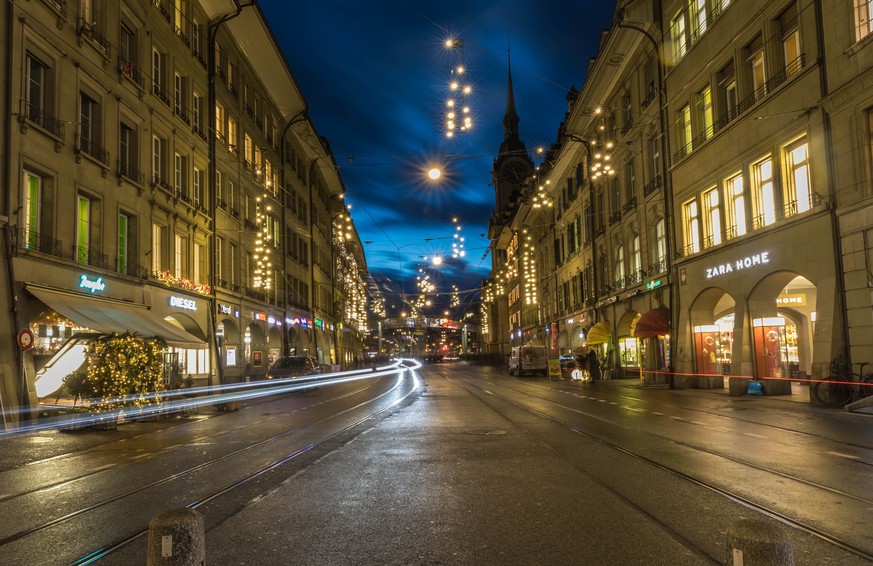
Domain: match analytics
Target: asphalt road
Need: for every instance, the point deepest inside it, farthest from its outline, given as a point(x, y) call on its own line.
point(467, 466)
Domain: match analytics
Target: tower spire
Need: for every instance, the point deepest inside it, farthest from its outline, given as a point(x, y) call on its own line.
point(510, 118)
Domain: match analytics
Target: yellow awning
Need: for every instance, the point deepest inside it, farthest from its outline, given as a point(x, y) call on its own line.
point(599, 333)
point(112, 315)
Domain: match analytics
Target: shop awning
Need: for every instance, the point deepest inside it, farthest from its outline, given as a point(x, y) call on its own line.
point(112, 315)
point(656, 322)
point(627, 324)
point(599, 333)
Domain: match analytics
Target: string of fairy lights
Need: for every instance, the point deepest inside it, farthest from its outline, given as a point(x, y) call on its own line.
point(458, 114)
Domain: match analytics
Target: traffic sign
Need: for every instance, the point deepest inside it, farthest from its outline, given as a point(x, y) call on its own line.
point(25, 338)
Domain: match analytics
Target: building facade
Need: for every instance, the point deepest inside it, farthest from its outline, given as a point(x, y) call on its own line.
point(711, 190)
point(161, 179)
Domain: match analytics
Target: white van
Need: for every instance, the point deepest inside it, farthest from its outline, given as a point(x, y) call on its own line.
point(528, 360)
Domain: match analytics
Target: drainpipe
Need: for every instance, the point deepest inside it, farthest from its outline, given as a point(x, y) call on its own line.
point(15, 319)
point(212, 34)
point(824, 91)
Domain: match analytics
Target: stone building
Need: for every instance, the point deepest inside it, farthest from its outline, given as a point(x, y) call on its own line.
point(161, 175)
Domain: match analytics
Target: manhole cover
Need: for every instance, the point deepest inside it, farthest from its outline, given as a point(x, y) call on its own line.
point(486, 432)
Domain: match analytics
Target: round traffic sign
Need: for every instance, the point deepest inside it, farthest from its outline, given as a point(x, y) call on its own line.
point(25, 338)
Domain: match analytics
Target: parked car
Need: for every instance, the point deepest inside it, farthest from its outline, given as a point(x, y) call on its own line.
point(293, 366)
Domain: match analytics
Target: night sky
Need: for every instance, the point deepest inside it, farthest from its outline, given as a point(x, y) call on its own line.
point(375, 75)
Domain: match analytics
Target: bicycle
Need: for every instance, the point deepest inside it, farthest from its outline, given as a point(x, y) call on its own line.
point(838, 390)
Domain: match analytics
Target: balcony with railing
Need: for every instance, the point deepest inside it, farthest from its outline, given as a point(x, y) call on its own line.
point(89, 256)
point(159, 182)
point(615, 217)
point(127, 170)
point(129, 71)
point(27, 240)
point(85, 145)
point(629, 205)
point(181, 111)
point(199, 132)
point(199, 57)
point(650, 96)
point(653, 185)
point(182, 35)
point(159, 91)
point(88, 31)
point(658, 266)
point(250, 225)
point(42, 119)
point(59, 7)
point(131, 270)
point(161, 5)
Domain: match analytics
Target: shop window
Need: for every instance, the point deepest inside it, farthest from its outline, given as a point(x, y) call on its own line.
point(772, 347)
point(863, 18)
point(765, 195)
point(629, 351)
point(712, 206)
point(713, 345)
point(736, 209)
point(798, 186)
point(692, 227)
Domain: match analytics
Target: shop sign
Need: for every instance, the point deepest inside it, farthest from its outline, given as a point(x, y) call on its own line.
point(791, 300)
point(319, 323)
point(744, 263)
point(298, 321)
point(652, 285)
point(92, 285)
point(228, 310)
point(183, 303)
point(271, 320)
point(262, 316)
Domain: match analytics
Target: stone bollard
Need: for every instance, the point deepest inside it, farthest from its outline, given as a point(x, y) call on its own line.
point(177, 538)
point(753, 542)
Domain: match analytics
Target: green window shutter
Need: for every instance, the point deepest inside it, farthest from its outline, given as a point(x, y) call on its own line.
point(32, 198)
point(82, 236)
point(122, 243)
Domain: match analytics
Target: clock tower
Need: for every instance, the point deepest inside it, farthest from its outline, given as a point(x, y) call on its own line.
point(513, 165)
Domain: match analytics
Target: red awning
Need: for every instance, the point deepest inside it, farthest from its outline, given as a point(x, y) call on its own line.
point(656, 322)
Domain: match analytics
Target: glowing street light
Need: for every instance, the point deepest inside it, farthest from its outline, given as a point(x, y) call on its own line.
point(434, 173)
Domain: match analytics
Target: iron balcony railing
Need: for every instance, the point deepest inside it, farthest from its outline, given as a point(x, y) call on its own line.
point(128, 171)
point(31, 240)
point(43, 119)
point(88, 146)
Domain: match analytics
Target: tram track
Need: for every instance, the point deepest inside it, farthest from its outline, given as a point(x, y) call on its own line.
point(491, 389)
point(215, 493)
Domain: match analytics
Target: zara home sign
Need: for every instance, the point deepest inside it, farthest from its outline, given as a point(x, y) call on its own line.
point(744, 263)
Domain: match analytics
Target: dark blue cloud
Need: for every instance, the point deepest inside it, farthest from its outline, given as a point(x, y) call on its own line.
point(375, 73)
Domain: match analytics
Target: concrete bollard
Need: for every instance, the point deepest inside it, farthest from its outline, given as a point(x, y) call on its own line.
point(753, 542)
point(177, 537)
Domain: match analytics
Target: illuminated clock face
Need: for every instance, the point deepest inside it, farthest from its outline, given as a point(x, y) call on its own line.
point(515, 172)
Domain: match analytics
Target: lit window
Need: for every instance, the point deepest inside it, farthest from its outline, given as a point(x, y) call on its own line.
point(677, 36)
point(692, 227)
point(863, 22)
point(713, 217)
point(737, 212)
point(661, 244)
point(799, 186)
point(704, 101)
point(765, 197)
